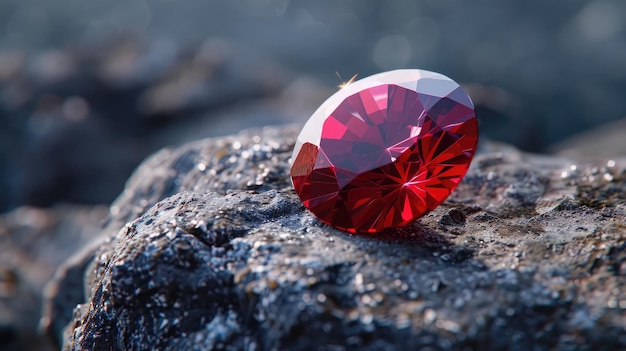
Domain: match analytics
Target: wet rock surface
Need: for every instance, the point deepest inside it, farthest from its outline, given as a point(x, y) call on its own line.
point(209, 248)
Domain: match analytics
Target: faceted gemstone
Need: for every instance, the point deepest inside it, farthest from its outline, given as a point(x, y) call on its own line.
point(385, 150)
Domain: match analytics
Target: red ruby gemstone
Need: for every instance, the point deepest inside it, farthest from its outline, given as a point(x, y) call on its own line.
point(385, 150)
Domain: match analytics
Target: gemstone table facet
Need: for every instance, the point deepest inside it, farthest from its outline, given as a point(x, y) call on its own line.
point(385, 150)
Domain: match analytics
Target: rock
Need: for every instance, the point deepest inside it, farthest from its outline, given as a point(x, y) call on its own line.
point(209, 248)
point(33, 243)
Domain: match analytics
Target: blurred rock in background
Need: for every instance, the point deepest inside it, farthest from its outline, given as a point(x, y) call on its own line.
point(76, 122)
point(604, 141)
point(33, 243)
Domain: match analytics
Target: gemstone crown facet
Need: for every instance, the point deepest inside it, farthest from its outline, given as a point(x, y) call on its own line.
point(385, 150)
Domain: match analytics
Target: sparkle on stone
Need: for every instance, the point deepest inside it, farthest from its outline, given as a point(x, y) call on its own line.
point(385, 150)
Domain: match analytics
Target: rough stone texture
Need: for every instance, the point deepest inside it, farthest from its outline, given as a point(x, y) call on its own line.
point(529, 253)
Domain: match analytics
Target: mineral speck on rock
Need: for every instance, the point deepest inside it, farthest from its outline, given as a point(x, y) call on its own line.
point(209, 248)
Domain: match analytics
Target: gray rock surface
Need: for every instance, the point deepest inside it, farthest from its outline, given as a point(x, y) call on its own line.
point(209, 248)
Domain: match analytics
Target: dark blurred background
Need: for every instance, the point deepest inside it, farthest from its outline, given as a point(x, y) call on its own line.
point(89, 88)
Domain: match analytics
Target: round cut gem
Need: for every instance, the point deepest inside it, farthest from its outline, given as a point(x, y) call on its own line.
point(385, 150)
